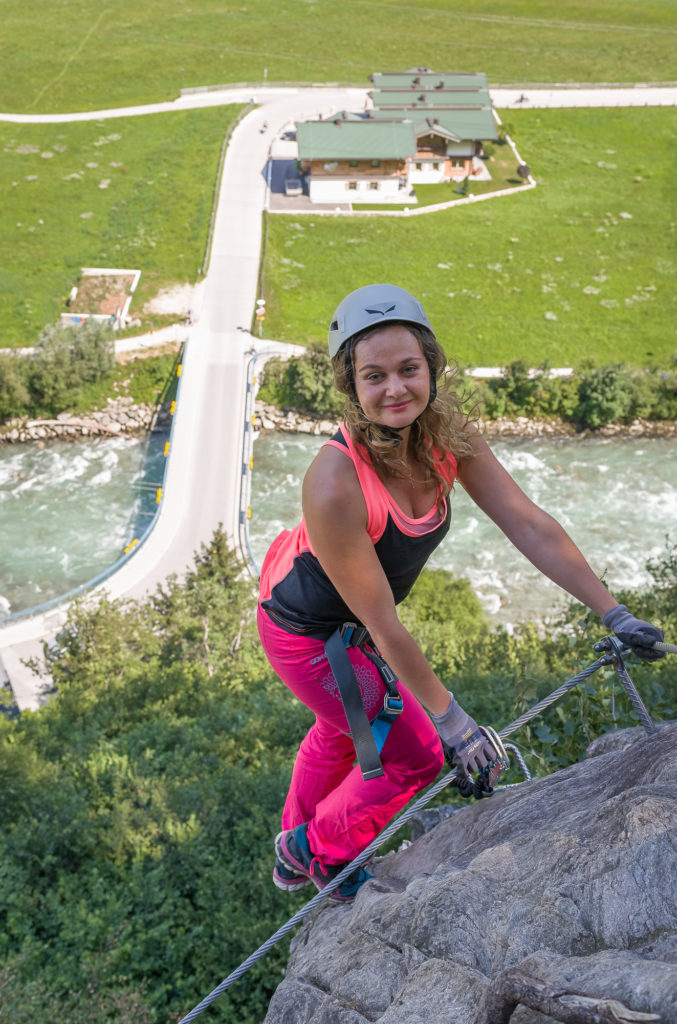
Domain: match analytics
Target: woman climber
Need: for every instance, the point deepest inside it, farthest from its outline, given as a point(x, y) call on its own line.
point(375, 506)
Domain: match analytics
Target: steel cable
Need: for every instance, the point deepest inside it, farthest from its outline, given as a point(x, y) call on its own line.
point(520, 760)
point(666, 648)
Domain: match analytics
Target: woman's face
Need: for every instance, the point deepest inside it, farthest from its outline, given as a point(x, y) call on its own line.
point(392, 379)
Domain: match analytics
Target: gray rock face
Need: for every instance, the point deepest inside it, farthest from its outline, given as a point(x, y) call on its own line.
point(562, 891)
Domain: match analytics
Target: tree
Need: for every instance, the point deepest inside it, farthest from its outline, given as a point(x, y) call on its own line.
point(65, 360)
point(14, 393)
point(140, 805)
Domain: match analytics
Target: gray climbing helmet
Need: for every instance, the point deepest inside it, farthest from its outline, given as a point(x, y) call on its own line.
point(371, 306)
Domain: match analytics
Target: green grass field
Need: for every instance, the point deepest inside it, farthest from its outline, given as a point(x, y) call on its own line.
point(132, 193)
point(583, 279)
point(86, 55)
point(582, 267)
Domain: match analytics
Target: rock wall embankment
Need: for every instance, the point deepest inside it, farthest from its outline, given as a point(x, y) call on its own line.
point(269, 417)
point(122, 417)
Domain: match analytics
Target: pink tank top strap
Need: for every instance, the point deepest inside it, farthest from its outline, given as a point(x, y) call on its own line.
point(375, 494)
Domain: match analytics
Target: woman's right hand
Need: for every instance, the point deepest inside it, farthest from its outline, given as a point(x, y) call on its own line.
point(467, 747)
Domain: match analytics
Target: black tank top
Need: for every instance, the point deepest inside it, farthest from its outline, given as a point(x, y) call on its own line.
point(294, 588)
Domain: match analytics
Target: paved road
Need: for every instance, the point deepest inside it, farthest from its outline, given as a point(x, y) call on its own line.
point(585, 96)
point(202, 487)
point(639, 95)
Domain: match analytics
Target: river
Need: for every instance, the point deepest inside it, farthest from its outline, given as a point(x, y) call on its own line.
point(67, 511)
point(617, 498)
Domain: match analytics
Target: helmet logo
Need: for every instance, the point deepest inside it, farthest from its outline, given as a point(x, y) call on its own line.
point(381, 308)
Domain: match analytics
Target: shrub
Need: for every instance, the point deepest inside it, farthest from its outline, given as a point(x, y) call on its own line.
point(149, 378)
point(304, 382)
point(506, 128)
point(519, 393)
point(663, 404)
point(446, 618)
point(515, 391)
point(138, 807)
point(605, 396)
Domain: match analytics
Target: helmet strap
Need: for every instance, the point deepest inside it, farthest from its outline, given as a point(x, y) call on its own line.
point(387, 433)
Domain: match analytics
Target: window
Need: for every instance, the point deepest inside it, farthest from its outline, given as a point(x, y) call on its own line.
point(352, 163)
point(375, 163)
point(419, 165)
point(436, 165)
point(331, 165)
point(352, 186)
point(458, 162)
point(374, 186)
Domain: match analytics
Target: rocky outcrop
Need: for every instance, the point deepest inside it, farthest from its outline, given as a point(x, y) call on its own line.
point(554, 900)
point(121, 417)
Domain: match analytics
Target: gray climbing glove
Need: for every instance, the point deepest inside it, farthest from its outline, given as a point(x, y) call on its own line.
point(637, 635)
point(467, 749)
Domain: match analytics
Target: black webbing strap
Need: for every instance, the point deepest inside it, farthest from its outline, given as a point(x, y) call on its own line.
point(358, 723)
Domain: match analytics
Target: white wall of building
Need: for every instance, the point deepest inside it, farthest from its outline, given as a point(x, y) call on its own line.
point(426, 172)
point(336, 190)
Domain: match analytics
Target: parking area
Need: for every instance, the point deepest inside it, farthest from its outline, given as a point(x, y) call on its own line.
point(279, 173)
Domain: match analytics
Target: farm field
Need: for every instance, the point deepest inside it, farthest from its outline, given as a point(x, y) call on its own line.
point(85, 56)
point(590, 274)
point(131, 192)
point(582, 267)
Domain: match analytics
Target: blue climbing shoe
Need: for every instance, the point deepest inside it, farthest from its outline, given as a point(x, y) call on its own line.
point(293, 850)
point(284, 877)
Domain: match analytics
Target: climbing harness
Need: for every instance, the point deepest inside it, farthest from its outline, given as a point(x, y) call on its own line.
point(611, 653)
point(367, 737)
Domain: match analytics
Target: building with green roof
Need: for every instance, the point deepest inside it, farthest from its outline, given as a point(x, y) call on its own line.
point(384, 98)
point(430, 81)
point(457, 123)
point(362, 140)
point(448, 140)
point(353, 161)
point(423, 127)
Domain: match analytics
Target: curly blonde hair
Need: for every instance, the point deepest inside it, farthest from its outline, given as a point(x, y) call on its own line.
point(443, 426)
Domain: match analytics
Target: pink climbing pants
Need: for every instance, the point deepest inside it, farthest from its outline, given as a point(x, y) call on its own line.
point(327, 789)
